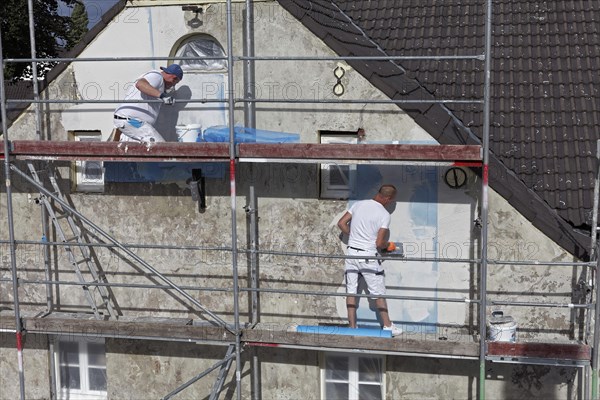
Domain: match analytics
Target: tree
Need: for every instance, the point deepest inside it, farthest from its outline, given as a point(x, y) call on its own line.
point(50, 31)
point(78, 25)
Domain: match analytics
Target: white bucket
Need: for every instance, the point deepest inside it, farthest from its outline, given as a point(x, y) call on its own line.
point(502, 328)
point(188, 133)
point(506, 332)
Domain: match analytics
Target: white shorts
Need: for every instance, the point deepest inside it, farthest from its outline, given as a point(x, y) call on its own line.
point(137, 131)
point(369, 269)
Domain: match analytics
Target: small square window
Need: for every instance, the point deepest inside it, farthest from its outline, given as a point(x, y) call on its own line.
point(351, 376)
point(81, 369)
point(337, 180)
point(87, 176)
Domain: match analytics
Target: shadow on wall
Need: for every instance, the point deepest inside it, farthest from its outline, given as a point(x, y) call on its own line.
point(155, 179)
point(459, 379)
point(169, 115)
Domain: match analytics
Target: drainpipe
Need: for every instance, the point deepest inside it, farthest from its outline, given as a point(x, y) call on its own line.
point(484, 199)
point(11, 229)
point(232, 184)
point(250, 122)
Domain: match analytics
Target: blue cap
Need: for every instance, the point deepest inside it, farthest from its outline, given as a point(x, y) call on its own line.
point(174, 69)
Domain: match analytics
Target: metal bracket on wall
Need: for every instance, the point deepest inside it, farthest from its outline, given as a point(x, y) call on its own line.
point(198, 189)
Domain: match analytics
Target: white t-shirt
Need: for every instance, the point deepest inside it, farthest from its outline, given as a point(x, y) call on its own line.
point(147, 112)
point(368, 216)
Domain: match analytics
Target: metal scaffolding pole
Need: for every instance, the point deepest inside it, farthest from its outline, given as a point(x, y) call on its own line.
point(232, 185)
point(11, 229)
point(484, 198)
point(250, 121)
point(528, 263)
point(267, 101)
point(478, 57)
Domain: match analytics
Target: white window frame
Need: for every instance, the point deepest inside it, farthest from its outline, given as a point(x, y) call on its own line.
point(84, 393)
point(81, 183)
point(353, 381)
point(330, 190)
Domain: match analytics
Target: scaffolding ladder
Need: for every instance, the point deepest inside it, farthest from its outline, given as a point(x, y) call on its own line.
point(72, 236)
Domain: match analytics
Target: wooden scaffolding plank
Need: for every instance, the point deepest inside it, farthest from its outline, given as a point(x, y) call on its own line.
point(405, 343)
point(187, 152)
point(117, 151)
point(407, 152)
point(564, 351)
point(182, 329)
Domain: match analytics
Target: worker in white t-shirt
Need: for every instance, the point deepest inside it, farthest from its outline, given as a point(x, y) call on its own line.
point(135, 120)
point(367, 225)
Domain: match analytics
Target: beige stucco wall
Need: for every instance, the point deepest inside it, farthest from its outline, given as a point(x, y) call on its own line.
point(291, 218)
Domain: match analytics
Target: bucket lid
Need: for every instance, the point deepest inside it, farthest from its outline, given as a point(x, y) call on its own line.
point(503, 325)
point(188, 127)
point(502, 319)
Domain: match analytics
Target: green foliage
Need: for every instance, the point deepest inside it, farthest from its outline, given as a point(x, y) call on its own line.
point(78, 25)
point(50, 31)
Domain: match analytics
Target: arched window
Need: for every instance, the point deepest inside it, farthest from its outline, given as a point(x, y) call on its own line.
point(201, 46)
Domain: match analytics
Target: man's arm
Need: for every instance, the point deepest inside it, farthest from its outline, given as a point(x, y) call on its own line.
point(344, 223)
point(145, 87)
point(382, 238)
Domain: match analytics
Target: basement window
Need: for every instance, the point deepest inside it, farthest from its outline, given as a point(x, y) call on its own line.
point(87, 176)
point(80, 369)
point(353, 377)
point(337, 180)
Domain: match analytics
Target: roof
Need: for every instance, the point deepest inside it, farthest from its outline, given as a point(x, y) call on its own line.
point(16, 90)
point(545, 99)
point(23, 90)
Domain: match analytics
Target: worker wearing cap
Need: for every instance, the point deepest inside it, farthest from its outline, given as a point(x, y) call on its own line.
point(135, 120)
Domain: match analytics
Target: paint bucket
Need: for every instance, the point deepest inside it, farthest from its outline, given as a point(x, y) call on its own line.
point(188, 133)
point(502, 328)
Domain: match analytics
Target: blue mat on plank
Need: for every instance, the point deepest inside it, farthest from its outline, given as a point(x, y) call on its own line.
point(341, 330)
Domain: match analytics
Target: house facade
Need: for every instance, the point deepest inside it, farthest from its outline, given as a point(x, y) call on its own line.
point(149, 209)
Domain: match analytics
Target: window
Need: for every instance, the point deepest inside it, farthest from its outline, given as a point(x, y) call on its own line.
point(87, 176)
point(201, 46)
point(352, 377)
point(337, 180)
point(81, 369)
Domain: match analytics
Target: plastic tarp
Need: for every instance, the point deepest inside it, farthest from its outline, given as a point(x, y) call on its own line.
point(202, 48)
point(247, 135)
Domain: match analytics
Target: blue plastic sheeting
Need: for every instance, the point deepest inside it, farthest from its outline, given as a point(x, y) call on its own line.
point(340, 330)
point(220, 133)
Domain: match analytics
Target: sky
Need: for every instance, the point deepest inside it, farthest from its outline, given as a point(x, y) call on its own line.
point(95, 9)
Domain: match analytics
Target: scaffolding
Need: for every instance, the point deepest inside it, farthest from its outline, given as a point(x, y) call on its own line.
point(238, 336)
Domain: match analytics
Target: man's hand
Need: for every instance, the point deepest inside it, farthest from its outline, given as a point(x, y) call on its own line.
point(167, 99)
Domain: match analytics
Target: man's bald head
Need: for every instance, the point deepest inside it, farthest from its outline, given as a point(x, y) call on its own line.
point(387, 191)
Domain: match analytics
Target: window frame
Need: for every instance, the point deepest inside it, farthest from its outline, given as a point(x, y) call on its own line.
point(83, 362)
point(327, 190)
point(353, 374)
point(79, 182)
